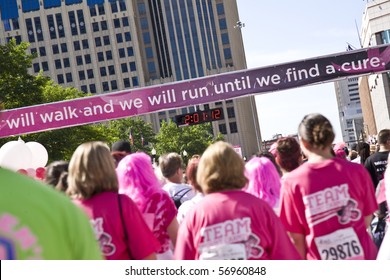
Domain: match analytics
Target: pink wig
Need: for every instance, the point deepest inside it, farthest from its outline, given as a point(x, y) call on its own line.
point(263, 180)
point(136, 178)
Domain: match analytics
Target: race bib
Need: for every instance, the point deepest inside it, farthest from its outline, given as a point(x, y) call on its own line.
point(224, 252)
point(342, 244)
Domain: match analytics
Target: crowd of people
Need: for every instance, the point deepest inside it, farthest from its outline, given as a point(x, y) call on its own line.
point(305, 198)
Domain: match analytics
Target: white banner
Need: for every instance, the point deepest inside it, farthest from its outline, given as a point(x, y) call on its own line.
point(187, 270)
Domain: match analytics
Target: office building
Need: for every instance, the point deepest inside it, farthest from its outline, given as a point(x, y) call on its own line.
point(375, 89)
point(102, 46)
point(350, 110)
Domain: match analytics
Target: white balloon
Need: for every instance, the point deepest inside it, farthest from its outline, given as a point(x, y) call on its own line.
point(39, 155)
point(15, 155)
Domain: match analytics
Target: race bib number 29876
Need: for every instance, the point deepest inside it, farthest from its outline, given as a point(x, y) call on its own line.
point(342, 244)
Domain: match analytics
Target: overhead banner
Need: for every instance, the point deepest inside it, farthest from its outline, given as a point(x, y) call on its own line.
point(192, 92)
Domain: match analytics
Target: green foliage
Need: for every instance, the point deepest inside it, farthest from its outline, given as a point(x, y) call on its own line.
point(17, 87)
point(193, 139)
point(20, 89)
point(138, 128)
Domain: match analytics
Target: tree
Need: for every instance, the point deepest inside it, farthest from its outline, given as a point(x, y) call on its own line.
point(17, 87)
point(192, 139)
point(20, 89)
point(142, 133)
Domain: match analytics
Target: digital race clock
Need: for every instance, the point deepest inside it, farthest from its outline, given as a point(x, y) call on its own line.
point(199, 117)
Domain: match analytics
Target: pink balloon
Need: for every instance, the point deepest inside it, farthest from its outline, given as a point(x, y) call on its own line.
point(40, 173)
point(22, 171)
point(31, 172)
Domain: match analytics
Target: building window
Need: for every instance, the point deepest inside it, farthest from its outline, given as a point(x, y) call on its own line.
point(121, 52)
point(108, 55)
point(30, 30)
point(225, 38)
point(69, 78)
point(114, 85)
point(15, 23)
point(64, 48)
point(92, 10)
point(149, 52)
point(231, 113)
point(117, 23)
point(124, 67)
point(36, 67)
point(227, 53)
point(111, 70)
point(85, 44)
point(55, 49)
point(135, 81)
point(87, 59)
point(103, 24)
point(60, 24)
point(127, 36)
point(52, 29)
point(101, 10)
point(222, 128)
point(57, 63)
point(146, 37)
point(72, 21)
point(60, 78)
point(103, 71)
point(220, 9)
point(42, 51)
point(84, 89)
point(122, 5)
point(119, 38)
point(90, 74)
point(132, 66)
point(45, 66)
point(114, 7)
point(79, 60)
point(222, 24)
point(126, 82)
point(95, 27)
point(92, 88)
point(141, 8)
point(81, 75)
point(106, 40)
point(144, 23)
point(100, 56)
point(130, 51)
point(66, 62)
point(233, 127)
point(105, 86)
point(38, 28)
point(125, 21)
point(76, 45)
point(151, 67)
point(98, 42)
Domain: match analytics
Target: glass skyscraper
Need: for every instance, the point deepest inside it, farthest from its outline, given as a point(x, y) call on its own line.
point(102, 46)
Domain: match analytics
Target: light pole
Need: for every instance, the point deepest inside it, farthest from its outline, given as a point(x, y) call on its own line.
point(185, 154)
point(154, 156)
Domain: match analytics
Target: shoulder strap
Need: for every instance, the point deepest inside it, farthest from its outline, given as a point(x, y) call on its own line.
point(182, 193)
point(123, 225)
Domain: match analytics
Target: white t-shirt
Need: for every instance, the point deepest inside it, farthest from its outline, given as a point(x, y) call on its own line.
point(187, 206)
point(173, 188)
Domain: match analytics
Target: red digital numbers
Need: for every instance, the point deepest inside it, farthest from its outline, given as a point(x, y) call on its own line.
point(199, 117)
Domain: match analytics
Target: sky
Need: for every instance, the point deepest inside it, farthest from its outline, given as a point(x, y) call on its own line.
point(285, 31)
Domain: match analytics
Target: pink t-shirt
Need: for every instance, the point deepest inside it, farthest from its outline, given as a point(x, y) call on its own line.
point(103, 211)
point(327, 203)
point(159, 213)
point(233, 225)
